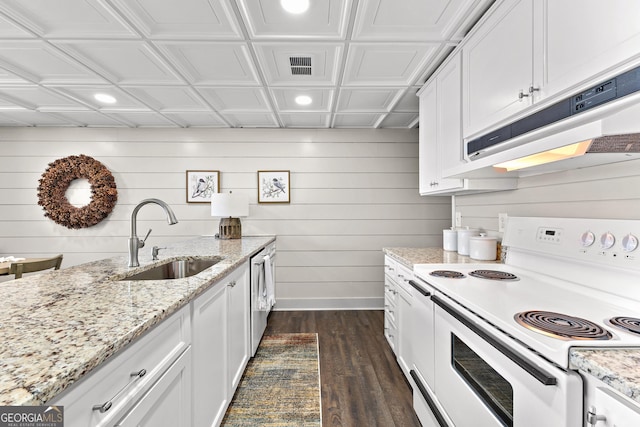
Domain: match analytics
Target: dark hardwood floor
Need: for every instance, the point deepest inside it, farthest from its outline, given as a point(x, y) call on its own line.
point(362, 384)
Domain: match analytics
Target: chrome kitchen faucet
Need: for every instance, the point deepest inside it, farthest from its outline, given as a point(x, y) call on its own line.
point(134, 242)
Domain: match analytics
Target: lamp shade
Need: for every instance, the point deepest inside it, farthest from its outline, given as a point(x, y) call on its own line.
point(229, 205)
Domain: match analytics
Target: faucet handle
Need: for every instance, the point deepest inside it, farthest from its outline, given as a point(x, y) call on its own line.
point(145, 239)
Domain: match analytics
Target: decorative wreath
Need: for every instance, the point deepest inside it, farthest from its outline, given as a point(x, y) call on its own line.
point(56, 180)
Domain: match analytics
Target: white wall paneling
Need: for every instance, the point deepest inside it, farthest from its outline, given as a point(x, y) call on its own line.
point(353, 193)
point(607, 191)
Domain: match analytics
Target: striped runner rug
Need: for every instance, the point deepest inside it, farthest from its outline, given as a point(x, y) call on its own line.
point(281, 385)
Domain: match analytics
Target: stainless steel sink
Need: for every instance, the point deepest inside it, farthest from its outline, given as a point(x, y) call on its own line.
point(177, 269)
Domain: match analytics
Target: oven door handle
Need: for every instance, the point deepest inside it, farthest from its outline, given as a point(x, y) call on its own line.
point(432, 405)
point(419, 288)
point(533, 370)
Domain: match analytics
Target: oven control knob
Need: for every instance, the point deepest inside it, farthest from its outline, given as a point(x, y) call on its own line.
point(629, 243)
point(587, 238)
point(607, 240)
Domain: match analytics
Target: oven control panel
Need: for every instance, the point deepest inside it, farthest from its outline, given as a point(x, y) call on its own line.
point(550, 235)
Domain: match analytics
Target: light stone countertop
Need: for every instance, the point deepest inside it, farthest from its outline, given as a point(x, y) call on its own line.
point(410, 256)
point(616, 367)
point(57, 326)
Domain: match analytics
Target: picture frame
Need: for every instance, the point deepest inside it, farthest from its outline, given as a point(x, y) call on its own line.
point(274, 186)
point(201, 184)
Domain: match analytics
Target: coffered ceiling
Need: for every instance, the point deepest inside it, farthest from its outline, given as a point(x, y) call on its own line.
point(223, 63)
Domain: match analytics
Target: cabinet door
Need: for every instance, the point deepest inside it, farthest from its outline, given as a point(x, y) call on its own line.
point(239, 329)
point(168, 402)
point(210, 379)
point(405, 322)
point(428, 135)
point(498, 64)
point(449, 108)
point(587, 37)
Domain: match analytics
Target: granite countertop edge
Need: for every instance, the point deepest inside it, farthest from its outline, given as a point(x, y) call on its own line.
point(62, 325)
point(410, 256)
point(616, 367)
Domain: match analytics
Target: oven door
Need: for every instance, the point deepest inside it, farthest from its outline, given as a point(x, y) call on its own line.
point(480, 381)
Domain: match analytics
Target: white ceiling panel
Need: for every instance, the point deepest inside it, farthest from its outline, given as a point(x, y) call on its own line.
point(184, 19)
point(306, 120)
point(409, 101)
point(91, 119)
point(285, 64)
point(39, 62)
point(122, 62)
point(236, 98)
point(168, 98)
point(408, 20)
point(400, 120)
point(392, 63)
point(367, 99)
point(10, 30)
point(251, 120)
point(358, 120)
point(223, 63)
point(85, 96)
point(207, 63)
point(142, 119)
point(36, 118)
point(195, 119)
point(325, 19)
point(286, 99)
point(36, 97)
point(70, 18)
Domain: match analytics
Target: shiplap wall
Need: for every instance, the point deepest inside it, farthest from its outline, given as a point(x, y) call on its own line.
point(606, 191)
point(353, 192)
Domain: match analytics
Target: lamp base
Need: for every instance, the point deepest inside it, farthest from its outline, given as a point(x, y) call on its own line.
point(230, 228)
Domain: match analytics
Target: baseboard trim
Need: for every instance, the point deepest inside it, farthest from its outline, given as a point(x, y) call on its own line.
point(290, 304)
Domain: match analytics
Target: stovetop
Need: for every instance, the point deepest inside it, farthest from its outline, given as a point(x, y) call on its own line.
point(559, 275)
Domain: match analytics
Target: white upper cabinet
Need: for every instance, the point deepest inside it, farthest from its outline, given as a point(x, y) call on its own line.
point(586, 39)
point(440, 136)
point(535, 52)
point(498, 70)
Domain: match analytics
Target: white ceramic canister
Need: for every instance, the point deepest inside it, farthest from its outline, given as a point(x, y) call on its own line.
point(450, 239)
point(463, 239)
point(483, 247)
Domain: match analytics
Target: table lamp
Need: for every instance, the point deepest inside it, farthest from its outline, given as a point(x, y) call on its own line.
point(229, 207)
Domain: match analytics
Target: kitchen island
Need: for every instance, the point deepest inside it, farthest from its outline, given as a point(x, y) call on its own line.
point(59, 326)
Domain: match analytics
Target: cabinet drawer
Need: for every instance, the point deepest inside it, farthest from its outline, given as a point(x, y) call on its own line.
point(114, 386)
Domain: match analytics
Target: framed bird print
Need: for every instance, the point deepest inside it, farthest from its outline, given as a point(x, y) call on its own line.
point(273, 187)
point(201, 184)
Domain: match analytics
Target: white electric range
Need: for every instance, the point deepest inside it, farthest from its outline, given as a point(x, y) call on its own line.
point(502, 332)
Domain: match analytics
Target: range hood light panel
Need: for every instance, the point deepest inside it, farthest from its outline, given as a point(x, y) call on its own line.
point(562, 153)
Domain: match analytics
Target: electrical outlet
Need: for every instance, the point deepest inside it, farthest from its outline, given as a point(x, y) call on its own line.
point(458, 219)
point(502, 222)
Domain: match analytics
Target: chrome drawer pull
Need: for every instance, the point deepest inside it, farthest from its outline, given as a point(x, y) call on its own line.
point(109, 403)
point(232, 284)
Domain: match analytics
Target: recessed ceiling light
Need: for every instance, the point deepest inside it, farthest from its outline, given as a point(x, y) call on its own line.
point(103, 97)
point(295, 6)
point(303, 100)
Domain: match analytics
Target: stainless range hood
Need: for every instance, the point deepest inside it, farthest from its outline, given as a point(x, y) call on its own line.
point(597, 126)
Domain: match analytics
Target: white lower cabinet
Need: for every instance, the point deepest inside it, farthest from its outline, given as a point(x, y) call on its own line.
point(140, 377)
point(182, 373)
point(405, 321)
point(168, 402)
point(220, 346)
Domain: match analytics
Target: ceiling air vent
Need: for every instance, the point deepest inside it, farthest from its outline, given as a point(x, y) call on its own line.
point(300, 65)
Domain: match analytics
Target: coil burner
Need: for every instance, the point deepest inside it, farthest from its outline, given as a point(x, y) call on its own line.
point(493, 275)
point(557, 325)
point(630, 324)
point(449, 274)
